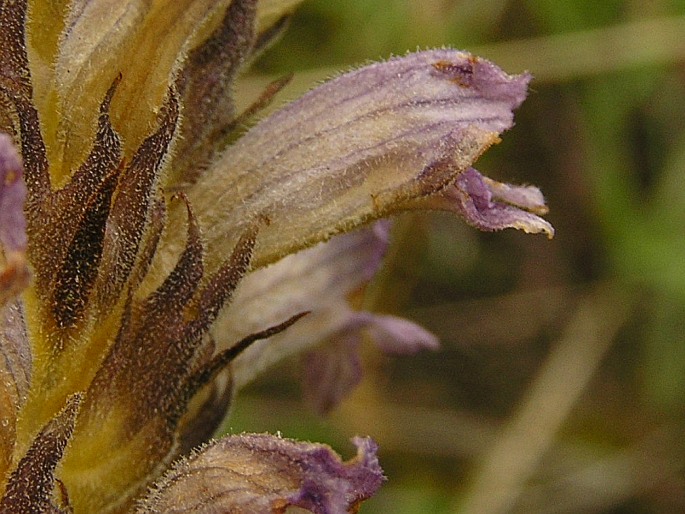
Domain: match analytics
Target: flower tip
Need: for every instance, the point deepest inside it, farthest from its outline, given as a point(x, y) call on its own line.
point(367, 454)
point(469, 71)
point(490, 206)
point(536, 225)
point(399, 336)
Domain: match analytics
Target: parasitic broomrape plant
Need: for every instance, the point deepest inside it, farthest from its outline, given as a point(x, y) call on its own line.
point(131, 211)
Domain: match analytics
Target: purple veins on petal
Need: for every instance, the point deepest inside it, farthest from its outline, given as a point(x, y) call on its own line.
point(367, 144)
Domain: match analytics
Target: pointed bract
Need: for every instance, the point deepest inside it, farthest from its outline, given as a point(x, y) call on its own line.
point(17, 91)
point(205, 83)
point(30, 486)
point(144, 384)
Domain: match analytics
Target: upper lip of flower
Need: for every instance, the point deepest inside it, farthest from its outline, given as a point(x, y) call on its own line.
point(119, 307)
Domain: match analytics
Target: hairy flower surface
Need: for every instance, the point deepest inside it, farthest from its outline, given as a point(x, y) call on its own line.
point(130, 214)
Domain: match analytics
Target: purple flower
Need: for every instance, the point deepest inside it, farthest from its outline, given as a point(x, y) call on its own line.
point(262, 473)
point(148, 228)
point(319, 280)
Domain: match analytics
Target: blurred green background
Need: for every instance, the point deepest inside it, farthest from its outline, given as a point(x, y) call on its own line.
point(560, 386)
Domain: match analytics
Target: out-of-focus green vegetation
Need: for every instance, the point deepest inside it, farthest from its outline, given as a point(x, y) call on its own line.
point(561, 383)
